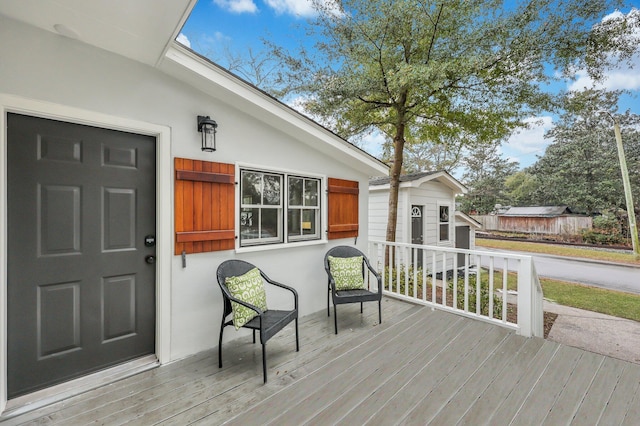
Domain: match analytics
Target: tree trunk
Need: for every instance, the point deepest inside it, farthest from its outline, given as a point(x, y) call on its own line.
point(394, 184)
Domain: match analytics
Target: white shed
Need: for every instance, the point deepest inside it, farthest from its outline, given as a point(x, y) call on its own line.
point(426, 208)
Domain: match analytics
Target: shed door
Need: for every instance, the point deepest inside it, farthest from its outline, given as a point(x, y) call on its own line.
point(81, 296)
point(462, 241)
point(417, 233)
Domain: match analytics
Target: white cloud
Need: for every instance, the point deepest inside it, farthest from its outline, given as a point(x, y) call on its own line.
point(299, 8)
point(302, 8)
point(237, 6)
point(529, 140)
point(183, 40)
point(624, 77)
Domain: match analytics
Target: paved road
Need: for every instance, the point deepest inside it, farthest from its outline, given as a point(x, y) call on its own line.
point(615, 277)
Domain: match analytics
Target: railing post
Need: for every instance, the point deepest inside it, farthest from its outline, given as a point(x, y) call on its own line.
point(525, 297)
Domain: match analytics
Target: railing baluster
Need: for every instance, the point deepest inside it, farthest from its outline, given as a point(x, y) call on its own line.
point(505, 295)
point(433, 278)
point(424, 275)
point(444, 279)
point(466, 282)
point(454, 303)
point(415, 272)
point(490, 313)
point(478, 280)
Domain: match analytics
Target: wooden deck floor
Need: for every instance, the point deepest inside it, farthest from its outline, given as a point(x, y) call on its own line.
point(418, 367)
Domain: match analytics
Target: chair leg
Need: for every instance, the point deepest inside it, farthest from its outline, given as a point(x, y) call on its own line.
point(335, 318)
point(220, 345)
point(264, 361)
point(254, 336)
point(297, 342)
point(361, 306)
point(328, 301)
point(380, 311)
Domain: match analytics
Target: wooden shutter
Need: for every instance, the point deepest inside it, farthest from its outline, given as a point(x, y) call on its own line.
point(343, 208)
point(204, 206)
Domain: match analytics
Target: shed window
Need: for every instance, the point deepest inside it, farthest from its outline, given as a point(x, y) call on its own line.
point(443, 223)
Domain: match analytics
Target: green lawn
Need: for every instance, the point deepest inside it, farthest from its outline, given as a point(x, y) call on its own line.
point(609, 302)
point(559, 250)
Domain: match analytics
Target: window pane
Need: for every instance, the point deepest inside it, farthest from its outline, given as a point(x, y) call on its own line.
point(269, 223)
point(249, 224)
point(295, 191)
point(444, 232)
point(311, 192)
point(251, 188)
point(444, 213)
point(309, 222)
point(293, 219)
point(272, 185)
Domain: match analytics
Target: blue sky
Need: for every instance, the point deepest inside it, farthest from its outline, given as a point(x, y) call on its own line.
point(239, 25)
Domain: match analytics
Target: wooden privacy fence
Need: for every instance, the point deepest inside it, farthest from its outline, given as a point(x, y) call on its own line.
point(560, 225)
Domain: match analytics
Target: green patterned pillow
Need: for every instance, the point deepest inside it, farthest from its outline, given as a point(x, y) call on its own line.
point(248, 288)
point(347, 272)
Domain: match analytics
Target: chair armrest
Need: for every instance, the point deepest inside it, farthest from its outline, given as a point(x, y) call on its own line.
point(375, 273)
point(286, 287)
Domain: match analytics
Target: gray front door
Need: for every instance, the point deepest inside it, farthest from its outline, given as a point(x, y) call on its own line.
point(81, 296)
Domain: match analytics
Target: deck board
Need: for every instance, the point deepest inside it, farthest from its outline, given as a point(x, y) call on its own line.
point(574, 390)
point(420, 366)
point(542, 397)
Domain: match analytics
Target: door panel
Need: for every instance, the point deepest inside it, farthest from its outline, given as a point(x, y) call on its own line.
point(80, 295)
point(417, 233)
point(462, 241)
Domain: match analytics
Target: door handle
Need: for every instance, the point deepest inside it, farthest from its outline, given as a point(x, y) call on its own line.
point(150, 259)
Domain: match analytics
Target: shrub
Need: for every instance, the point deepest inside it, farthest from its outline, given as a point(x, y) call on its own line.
point(606, 230)
point(472, 294)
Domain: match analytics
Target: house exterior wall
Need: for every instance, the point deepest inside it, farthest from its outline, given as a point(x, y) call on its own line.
point(69, 76)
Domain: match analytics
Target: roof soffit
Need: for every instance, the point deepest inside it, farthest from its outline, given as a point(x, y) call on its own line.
point(137, 29)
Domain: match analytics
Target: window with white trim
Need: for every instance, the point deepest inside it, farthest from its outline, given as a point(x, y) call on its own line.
point(444, 221)
point(266, 196)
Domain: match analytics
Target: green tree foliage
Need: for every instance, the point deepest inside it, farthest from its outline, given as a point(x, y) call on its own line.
point(581, 168)
point(485, 175)
point(520, 189)
point(426, 71)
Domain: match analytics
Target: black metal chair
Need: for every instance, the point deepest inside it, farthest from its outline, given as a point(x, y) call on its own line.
point(268, 322)
point(351, 296)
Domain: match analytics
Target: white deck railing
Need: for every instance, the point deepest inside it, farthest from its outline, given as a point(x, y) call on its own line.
point(450, 279)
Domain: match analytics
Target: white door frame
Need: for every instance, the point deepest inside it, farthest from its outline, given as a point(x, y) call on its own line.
point(20, 105)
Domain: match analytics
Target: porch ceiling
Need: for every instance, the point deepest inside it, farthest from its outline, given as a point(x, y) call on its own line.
point(140, 29)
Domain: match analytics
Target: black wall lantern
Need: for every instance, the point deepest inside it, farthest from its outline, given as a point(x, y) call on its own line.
point(207, 127)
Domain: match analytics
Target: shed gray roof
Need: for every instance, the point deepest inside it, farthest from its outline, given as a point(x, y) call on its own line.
point(539, 211)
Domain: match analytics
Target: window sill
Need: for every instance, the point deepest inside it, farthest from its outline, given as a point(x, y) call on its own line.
point(266, 247)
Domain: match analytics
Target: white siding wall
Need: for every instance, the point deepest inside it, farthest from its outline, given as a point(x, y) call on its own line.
point(429, 194)
point(46, 67)
point(378, 208)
